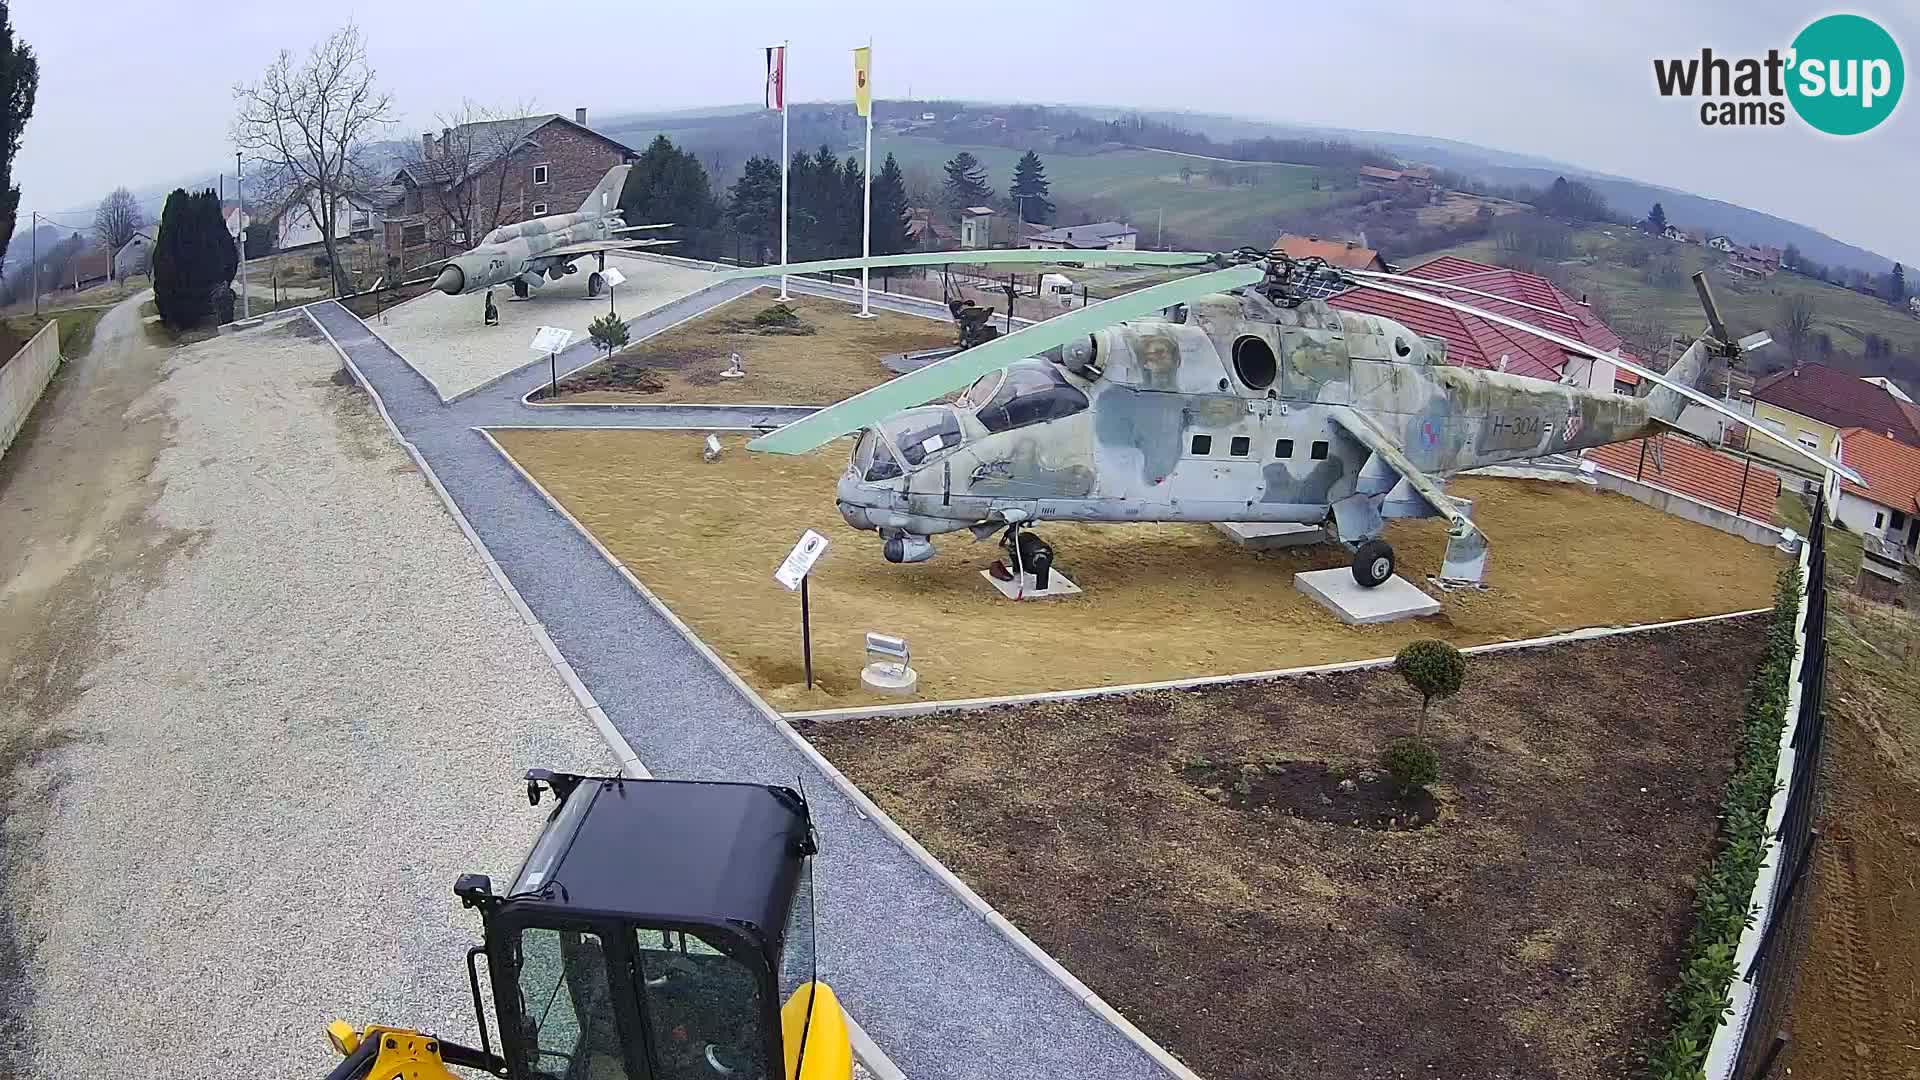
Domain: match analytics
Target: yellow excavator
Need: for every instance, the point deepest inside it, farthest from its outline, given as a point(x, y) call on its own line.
point(659, 930)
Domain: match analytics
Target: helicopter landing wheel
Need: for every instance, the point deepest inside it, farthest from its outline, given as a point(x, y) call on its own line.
point(1026, 551)
point(520, 290)
point(1373, 563)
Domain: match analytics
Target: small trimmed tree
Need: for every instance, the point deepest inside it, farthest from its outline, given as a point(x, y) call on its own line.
point(608, 333)
point(1433, 668)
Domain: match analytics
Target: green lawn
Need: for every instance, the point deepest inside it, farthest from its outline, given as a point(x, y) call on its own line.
point(1146, 184)
point(76, 330)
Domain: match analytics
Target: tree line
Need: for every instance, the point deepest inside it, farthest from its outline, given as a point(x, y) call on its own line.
point(1137, 130)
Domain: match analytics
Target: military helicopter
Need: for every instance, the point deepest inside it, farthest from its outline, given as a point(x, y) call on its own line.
point(1234, 395)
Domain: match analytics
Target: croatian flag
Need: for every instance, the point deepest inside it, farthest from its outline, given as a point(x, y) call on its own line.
point(777, 77)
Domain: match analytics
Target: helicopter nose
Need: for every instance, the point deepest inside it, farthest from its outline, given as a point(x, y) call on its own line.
point(855, 515)
point(452, 280)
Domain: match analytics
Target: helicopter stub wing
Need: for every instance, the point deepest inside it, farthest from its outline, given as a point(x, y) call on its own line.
point(1682, 390)
point(1000, 256)
point(870, 406)
point(1465, 559)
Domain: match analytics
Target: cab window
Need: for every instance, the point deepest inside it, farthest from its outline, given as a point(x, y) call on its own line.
point(566, 1006)
point(1031, 394)
point(703, 1008)
point(872, 461)
point(923, 433)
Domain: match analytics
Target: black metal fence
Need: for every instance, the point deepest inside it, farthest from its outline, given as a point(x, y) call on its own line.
point(1763, 1049)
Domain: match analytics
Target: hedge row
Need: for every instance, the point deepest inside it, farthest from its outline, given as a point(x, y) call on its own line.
point(1722, 907)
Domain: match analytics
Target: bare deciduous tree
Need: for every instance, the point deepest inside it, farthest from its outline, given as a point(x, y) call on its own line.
point(463, 178)
point(117, 218)
point(1796, 324)
point(309, 123)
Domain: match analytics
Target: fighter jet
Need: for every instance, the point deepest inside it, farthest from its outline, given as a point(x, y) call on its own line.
point(1237, 395)
point(529, 253)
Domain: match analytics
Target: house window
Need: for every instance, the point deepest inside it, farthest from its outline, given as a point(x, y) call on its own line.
point(1899, 520)
point(1240, 446)
point(1320, 451)
point(1777, 427)
point(539, 208)
point(1879, 519)
point(539, 174)
point(1202, 445)
point(1283, 448)
point(1808, 440)
point(1623, 388)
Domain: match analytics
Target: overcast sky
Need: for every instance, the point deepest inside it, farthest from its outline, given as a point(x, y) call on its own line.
point(134, 93)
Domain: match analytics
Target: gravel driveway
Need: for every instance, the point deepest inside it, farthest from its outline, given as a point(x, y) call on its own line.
point(306, 714)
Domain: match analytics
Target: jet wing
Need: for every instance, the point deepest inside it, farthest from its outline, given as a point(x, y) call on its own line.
point(592, 247)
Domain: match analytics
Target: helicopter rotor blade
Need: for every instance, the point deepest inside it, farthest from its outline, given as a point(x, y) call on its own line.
point(1683, 390)
point(869, 406)
point(997, 257)
point(1428, 283)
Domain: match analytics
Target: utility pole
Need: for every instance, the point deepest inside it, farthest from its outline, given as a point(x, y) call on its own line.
point(1160, 231)
point(35, 239)
point(240, 237)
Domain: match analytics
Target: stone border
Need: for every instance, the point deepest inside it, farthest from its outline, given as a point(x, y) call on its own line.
point(629, 761)
point(868, 807)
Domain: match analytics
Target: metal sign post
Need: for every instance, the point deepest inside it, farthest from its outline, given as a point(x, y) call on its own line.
point(551, 340)
point(793, 573)
point(613, 277)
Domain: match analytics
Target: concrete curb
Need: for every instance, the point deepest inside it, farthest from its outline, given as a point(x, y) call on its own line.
point(871, 810)
point(923, 708)
point(629, 762)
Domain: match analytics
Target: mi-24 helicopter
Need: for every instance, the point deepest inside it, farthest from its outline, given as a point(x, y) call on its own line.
point(1234, 395)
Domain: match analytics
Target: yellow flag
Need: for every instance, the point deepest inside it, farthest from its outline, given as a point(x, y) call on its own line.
point(863, 81)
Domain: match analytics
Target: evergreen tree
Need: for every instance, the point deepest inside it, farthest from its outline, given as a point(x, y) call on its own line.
point(889, 209)
point(193, 261)
point(1897, 284)
point(1657, 219)
point(19, 82)
point(753, 206)
point(966, 183)
point(853, 196)
point(1029, 190)
point(669, 184)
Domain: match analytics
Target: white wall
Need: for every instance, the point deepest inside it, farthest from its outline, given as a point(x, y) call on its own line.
point(24, 377)
point(1857, 513)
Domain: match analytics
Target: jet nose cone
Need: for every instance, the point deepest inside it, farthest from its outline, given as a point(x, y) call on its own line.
point(451, 281)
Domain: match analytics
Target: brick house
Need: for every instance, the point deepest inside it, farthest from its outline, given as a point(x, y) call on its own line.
point(494, 173)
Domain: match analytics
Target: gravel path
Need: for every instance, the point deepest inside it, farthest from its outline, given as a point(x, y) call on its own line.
point(444, 338)
point(939, 989)
point(311, 722)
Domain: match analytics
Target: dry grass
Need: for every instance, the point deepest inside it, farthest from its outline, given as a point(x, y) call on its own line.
point(839, 359)
point(1162, 601)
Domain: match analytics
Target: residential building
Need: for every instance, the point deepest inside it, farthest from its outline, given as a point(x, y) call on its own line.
point(295, 228)
point(926, 232)
point(1344, 254)
point(479, 176)
point(1885, 512)
point(1889, 386)
point(136, 255)
point(1475, 342)
point(1098, 236)
point(1812, 403)
point(976, 227)
point(1720, 243)
point(1376, 177)
point(1677, 234)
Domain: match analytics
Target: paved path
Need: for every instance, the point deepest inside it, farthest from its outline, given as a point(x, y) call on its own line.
point(938, 988)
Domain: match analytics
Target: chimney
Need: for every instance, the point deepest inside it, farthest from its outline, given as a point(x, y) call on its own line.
point(580, 117)
point(426, 145)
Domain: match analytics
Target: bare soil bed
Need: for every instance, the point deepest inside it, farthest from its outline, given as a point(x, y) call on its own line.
point(1528, 932)
point(838, 358)
point(1161, 601)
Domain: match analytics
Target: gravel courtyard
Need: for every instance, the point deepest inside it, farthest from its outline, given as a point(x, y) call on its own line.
point(256, 725)
point(444, 338)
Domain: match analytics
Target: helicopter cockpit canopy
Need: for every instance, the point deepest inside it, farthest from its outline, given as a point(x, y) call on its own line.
point(917, 435)
point(1027, 392)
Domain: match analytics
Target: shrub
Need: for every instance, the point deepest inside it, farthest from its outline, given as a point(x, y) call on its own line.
point(1411, 762)
point(777, 315)
point(608, 333)
point(1433, 668)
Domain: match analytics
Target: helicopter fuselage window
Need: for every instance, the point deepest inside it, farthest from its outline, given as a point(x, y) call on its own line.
point(1032, 393)
point(1283, 448)
point(1319, 451)
point(1240, 446)
point(1202, 445)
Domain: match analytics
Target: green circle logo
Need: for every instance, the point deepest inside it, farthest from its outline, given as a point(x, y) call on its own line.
point(1846, 74)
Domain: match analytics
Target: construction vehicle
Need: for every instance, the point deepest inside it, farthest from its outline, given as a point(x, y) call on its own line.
point(658, 930)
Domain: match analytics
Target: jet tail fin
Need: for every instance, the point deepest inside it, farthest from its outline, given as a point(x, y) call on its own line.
point(605, 198)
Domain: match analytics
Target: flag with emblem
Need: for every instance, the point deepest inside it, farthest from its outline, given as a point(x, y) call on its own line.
point(777, 77)
point(863, 81)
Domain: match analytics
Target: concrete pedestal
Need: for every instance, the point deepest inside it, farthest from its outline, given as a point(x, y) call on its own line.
point(1392, 600)
point(1057, 585)
point(888, 678)
point(1270, 536)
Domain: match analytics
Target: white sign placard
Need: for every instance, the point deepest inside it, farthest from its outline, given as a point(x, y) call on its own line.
point(801, 559)
point(550, 339)
point(612, 276)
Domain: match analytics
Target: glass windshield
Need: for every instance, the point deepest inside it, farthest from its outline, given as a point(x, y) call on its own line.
point(703, 1009)
point(871, 458)
point(981, 391)
point(922, 433)
point(1032, 392)
point(566, 1006)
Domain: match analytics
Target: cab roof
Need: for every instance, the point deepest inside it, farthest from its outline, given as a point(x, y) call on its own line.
point(672, 851)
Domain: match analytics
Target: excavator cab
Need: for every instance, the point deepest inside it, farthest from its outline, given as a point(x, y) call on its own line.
point(658, 930)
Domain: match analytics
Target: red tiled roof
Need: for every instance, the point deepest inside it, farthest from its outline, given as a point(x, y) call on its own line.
point(1892, 468)
point(1341, 253)
point(1714, 478)
point(1476, 342)
point(1839, 398)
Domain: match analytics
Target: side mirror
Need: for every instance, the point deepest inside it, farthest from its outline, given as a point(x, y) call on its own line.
point(474, 890)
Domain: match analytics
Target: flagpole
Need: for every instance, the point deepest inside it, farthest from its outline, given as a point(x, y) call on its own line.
point(866, 224)
point(784, 159)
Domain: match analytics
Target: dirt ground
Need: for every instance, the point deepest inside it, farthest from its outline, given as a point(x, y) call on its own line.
point(683, 364)
point(1161, 601)
point(1529, 932)
point(1855, 1013)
